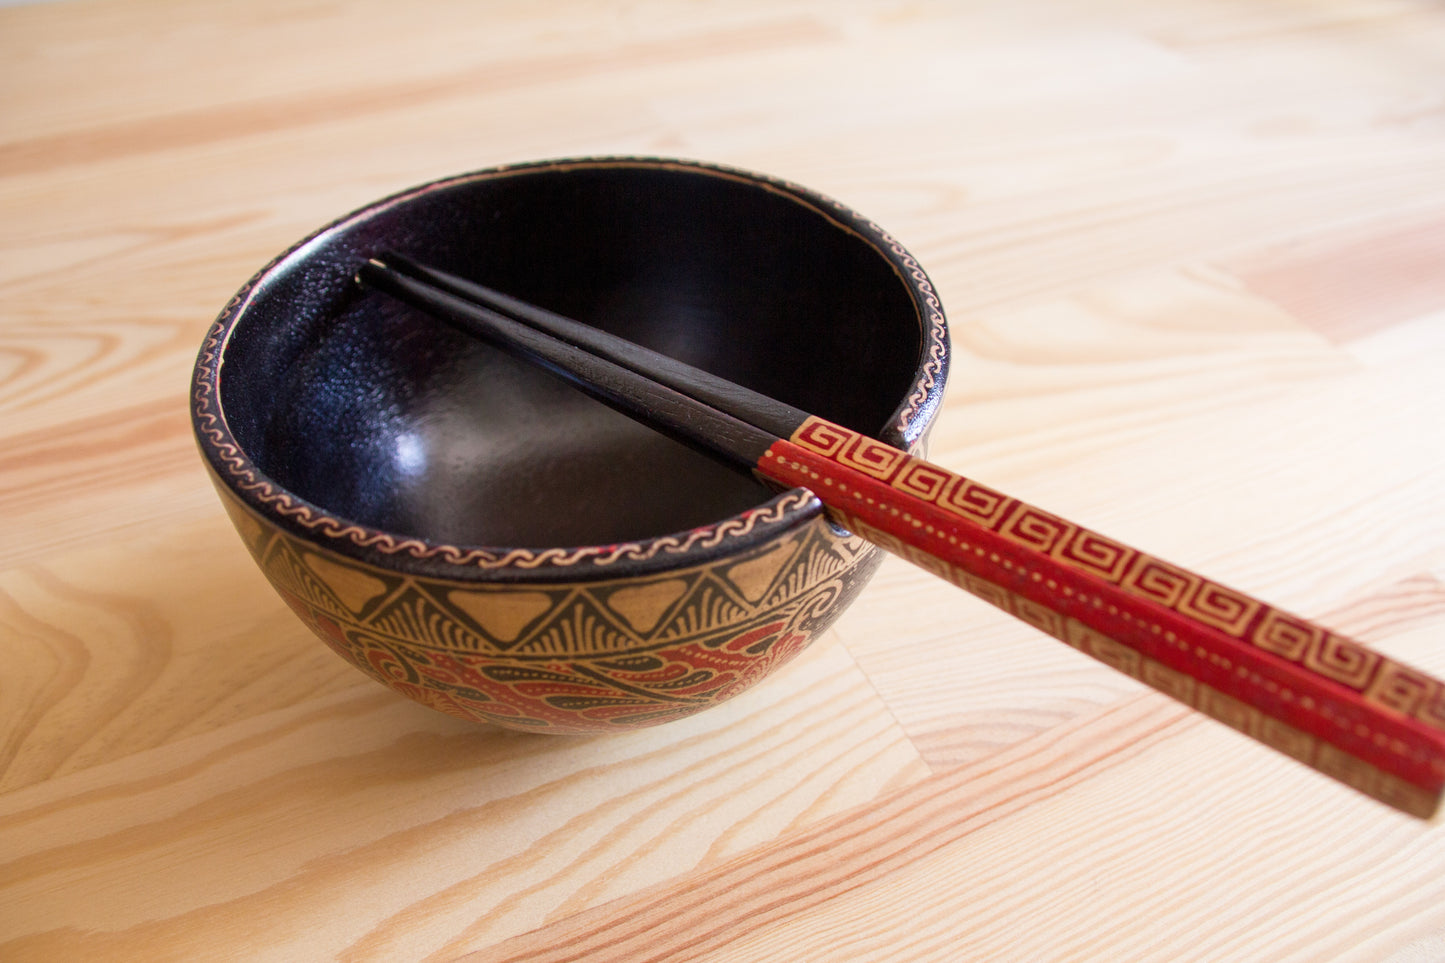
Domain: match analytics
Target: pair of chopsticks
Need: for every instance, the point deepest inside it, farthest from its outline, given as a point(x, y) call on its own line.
point(1323, 699)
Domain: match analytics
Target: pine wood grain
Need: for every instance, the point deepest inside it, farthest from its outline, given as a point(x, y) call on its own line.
point(441, 829)
point(1189, 253)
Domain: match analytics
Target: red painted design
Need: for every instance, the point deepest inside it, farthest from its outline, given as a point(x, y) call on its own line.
point(1285, 635)
point(969, 499)
point(1104, 557)
point(1035, 529)
point(1344, 709)
point(577, 667)
point(823, 437)
point(872, 458)
point(922, 480)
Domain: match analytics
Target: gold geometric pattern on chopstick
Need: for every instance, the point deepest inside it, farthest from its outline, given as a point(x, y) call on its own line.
point(1370, 675)
point(1301, 745)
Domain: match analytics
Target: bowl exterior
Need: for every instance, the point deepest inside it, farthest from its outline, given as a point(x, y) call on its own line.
point(589, 656)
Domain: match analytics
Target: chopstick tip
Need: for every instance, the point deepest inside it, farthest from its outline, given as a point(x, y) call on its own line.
point(371, 263)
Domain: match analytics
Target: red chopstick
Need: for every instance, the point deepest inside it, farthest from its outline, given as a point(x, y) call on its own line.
point(1329, 702)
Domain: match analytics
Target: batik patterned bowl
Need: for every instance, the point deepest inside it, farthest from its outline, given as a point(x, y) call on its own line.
point(490, 542)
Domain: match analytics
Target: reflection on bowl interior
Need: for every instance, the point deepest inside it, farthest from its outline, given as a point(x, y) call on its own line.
point(394, 420)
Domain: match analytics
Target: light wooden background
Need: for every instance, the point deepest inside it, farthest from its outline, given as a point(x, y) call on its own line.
point(1193, 255)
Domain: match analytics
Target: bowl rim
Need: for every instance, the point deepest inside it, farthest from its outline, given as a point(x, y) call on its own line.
point(235, 474)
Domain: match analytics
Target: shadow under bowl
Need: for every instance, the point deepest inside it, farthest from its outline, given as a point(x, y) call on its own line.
point(479, 536)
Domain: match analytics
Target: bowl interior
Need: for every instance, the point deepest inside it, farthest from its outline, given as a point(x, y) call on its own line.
point(386, 417)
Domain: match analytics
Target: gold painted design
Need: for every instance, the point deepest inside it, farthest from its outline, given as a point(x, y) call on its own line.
point(1342, 660)
point(354, 588)
point(1297, 743)
point(1367, 674)
point(1406, 691)
point(643, 606)
point(1094, 553)
point(1158, 581)
point(922, 480)
point(247, 527)
point(583, 656)
point(1034, 529)
point(503, 615)
point(872, 458)
point(1284, 635)
point(753, 578)
point(1225, 609)
point(968, 499)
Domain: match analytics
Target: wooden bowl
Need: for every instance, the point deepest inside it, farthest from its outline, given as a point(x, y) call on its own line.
point(486, 540)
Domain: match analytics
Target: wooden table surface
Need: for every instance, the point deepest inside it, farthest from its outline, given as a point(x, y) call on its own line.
point(1193, 256)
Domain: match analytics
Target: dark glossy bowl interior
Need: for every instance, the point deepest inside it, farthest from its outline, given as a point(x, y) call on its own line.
point(386, 417)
